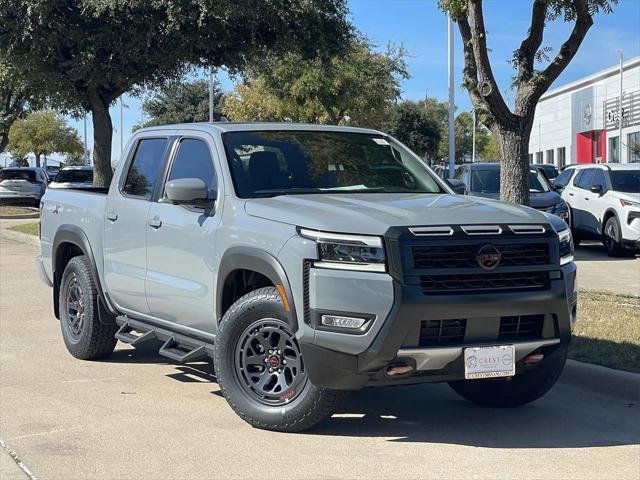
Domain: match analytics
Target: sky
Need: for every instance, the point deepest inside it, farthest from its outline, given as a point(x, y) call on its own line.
point(421, 28)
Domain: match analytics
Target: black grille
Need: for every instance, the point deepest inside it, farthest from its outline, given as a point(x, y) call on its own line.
point(464, 256)
point(442, 332)
point(486, 282)
point(521, 327)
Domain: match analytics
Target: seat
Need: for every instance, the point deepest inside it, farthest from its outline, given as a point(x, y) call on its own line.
point(265, 173)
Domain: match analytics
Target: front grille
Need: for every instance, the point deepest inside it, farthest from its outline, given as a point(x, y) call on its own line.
point(521, 327)
point(464, 256)
point(442, 332)
point(485, 282)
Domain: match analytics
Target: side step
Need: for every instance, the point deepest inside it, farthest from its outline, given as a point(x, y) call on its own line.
point(178, 347)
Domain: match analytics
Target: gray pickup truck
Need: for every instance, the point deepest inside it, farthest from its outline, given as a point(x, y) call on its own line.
point(307, 261)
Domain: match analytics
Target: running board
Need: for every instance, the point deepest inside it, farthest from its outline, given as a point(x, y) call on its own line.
point(177, 346)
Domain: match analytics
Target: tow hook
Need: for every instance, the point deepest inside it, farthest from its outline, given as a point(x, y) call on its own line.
point(398, 369)
point(532, 358)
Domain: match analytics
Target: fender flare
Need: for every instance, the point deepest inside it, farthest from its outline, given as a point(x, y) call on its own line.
point(608, 212)
point(68, 233)
point(247, 258)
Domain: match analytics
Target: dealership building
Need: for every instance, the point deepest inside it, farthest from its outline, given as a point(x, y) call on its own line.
point(578, 122)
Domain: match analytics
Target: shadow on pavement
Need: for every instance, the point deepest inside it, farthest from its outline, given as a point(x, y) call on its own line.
point(594, 251)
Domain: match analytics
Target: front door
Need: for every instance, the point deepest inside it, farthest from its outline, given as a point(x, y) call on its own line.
point(125, 226)
point(180, 244)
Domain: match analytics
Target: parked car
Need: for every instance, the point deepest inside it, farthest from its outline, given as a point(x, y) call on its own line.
point(483, 180)
point(52, 171)
point(564, 177)
point(22, 184)
point(308, 261)
point(605, 205)
point(549, 169)
point(73, 177)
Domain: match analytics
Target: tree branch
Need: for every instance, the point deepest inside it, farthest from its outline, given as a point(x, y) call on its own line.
point(478, 44)
point(525, 55)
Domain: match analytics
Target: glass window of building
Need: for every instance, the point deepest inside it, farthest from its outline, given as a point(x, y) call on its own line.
point(562, 156)
point(614, 154)
point(539, 157)
point(550, 156)
point(633, 147)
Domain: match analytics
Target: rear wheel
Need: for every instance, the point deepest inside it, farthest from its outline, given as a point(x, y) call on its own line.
point(612, 237)
point(84, 336)
point(518, 390)
point(260, 368)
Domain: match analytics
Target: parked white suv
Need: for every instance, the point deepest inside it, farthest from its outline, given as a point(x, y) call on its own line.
point(605, 204)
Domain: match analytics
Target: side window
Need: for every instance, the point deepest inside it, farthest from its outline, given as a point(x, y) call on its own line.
point(585, 180)
point(577, 178)
point(144, 168)
point(563, 178)
point(193, 160)
point(465, 177)
point(598, 179)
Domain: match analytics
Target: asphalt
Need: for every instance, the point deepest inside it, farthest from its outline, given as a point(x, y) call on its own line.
point(137, 415)
point(598, 271)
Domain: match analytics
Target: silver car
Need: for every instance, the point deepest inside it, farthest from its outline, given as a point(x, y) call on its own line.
point(22, 184)
point(73, 177)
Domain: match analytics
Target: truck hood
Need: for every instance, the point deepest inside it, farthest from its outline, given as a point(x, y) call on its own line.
point(539, 200)
point(374, 213)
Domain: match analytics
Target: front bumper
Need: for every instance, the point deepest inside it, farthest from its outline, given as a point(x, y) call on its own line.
point(394, 338)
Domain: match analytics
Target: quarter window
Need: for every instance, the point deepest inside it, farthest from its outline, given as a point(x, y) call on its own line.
point(193, 160)
point(144, 168)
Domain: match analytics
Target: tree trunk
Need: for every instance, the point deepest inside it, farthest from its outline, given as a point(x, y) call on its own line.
point(4, 140)
point(37, 159)
point(514, 160)
point(102, 136)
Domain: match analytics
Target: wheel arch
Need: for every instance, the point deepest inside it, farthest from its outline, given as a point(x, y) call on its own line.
point(260, 262)
point(71, 241)
point(609, 212)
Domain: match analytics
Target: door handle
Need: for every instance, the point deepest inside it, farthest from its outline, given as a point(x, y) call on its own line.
point(112, 216)
point(155, 222)
point(571, 194)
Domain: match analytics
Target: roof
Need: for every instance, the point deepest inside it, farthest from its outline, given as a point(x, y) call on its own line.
point(77, 167)
point(34, 169)
point(609, 166)
point(257, 126)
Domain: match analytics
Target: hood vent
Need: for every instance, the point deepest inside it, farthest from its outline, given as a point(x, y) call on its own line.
point(481, 229)
point(527, 229)
point(431, 231)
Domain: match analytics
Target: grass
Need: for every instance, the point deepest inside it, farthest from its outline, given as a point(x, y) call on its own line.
point(607, 331)
point(28, 228)
point(16, 210)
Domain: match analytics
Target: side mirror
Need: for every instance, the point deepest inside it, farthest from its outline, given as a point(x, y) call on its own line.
point(458, 185)
point(597, 189)
point(186, 191)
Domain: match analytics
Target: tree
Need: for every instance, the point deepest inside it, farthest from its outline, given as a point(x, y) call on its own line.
point(513, 129)
point(15, 98)
point(182, 102)
point(412, 125)
point(89, 52)
point(43, 133)
point(356, 88)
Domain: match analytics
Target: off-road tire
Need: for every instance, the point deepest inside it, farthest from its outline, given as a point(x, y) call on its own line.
point(310, 405)
point(93, 340)
point(612, 238)
point(519, 390)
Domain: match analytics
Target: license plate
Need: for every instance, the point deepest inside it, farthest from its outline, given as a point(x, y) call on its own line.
point(489, 362)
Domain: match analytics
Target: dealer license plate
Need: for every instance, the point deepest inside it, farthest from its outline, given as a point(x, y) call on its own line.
point(489, 362)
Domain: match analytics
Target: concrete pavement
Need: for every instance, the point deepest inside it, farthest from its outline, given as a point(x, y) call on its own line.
point(136, 415)
point(598, 271)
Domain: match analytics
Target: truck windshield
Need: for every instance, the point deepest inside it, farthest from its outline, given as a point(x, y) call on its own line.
point(625, 181)
point(290, 162)
point(488, 181)
point(74, 176)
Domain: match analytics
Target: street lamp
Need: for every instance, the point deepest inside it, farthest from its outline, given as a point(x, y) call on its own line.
point(452, 144)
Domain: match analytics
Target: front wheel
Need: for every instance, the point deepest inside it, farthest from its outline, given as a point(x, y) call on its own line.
point(516, 391)
point(260, 369)
point(612, 238)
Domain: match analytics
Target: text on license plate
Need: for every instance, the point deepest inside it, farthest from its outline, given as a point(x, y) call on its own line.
point(489, 362)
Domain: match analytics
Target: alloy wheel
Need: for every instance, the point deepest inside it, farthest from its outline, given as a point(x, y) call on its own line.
point(75, 307)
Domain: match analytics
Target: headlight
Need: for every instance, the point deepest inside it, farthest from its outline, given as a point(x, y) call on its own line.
point(566, 247)
point(629, 203)
point(347, 252)
point(562, 210)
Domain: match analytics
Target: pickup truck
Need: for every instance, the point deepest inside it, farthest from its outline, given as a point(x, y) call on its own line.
point(308, 261)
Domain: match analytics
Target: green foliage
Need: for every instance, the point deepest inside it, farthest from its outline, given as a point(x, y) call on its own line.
point(357, 88)
point(75, 159)
point(412, 124)
point(182, 102)
point(43, 133)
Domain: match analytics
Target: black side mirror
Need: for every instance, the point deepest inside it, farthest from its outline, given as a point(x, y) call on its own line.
point(597, 189)
point(458, 186)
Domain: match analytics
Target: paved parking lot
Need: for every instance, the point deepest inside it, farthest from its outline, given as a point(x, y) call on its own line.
point(598, 271)
point(137, 415)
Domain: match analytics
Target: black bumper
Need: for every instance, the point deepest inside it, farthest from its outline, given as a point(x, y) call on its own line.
point(401, 330)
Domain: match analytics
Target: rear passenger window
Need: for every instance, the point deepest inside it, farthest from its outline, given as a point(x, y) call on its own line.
point(193, 160)
point(577, 178)
point(144, 168)
point(585, 180)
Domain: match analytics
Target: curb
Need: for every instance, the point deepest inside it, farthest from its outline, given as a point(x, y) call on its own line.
point(20, 237)
point(602, 380)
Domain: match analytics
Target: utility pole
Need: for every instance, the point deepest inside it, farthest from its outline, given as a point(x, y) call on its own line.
point(452, 140)
point(620, 110)
point(473, 138)
point(210, 94)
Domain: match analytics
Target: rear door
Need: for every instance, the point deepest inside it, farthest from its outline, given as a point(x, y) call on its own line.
point(579, 199)
point(181, 241)
point(125, 225)
point(595, 204)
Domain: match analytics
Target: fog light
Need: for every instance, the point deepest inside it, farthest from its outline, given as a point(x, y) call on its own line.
point(342, 322)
